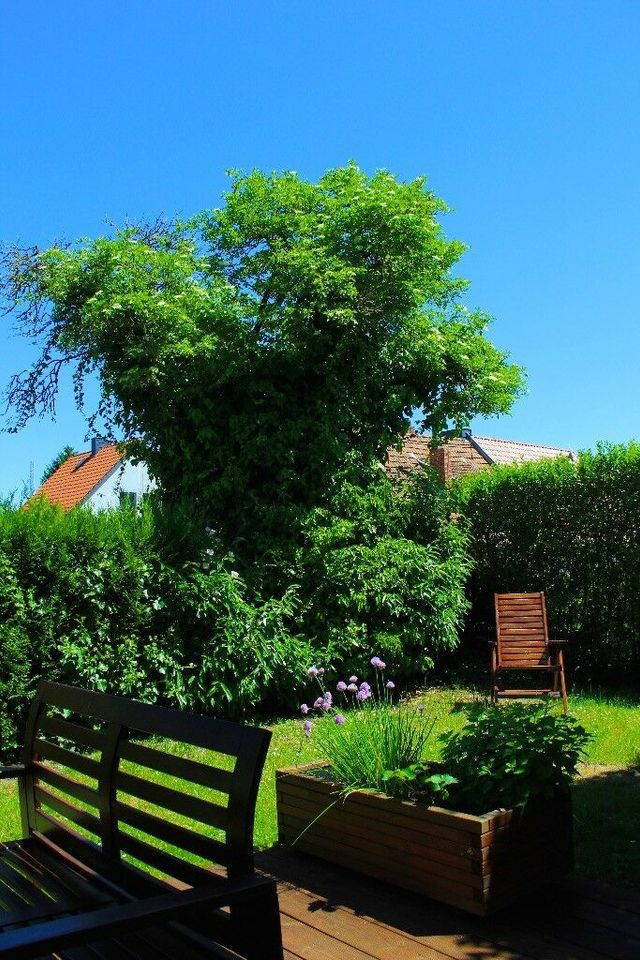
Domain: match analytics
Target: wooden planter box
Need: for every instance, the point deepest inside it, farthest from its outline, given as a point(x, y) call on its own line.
point(477, 863)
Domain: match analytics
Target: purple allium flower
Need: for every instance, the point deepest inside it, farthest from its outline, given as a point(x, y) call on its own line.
point(341, 686)
point(307, 726)
point(378, 663)
point(390, 685)
point(320, 671)
point(304, 708)
point(365, 687)
point(326, 706)
point(318, 703)
point(363, 695)
point(353, 679)
point(312, 672)
point(339, 718)
point(328, 698)
point(352, 688)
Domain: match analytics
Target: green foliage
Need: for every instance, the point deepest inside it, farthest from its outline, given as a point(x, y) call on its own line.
point(383, 569)
point(506, 756)
point(258, 346)
point(260, 358)
point(420, 781)
point(57, 461)
point(364, 733)
point(572, 530)
point(375, 738)
point(89, 599)
point(14, 650)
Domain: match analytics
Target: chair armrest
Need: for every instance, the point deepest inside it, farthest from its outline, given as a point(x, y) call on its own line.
point(16, 770)
point(25, 943)
point(558, 643)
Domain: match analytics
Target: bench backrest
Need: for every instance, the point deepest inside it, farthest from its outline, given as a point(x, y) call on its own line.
point(521, 627)
point(96, 780)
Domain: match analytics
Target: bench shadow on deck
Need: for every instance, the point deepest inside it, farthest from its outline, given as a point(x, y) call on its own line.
point(329, 913)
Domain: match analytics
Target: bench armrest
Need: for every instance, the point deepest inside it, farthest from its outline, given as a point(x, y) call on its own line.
point(25, 943)
point(558, 643)
point(8, 773)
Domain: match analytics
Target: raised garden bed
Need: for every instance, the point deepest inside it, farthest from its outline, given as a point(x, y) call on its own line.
point(477, 863)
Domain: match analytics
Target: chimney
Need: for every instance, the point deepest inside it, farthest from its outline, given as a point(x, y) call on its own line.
point(97, 445)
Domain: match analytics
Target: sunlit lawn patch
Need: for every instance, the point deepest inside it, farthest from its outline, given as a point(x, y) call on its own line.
point(607, 845)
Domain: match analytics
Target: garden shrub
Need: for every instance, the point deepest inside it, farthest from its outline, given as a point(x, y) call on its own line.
point(571, 529)
point(89, 599)
point(383, 569)
point(508, 755)
point(14, 653)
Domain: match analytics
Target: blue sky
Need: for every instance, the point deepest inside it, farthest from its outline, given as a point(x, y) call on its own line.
point(524, 116)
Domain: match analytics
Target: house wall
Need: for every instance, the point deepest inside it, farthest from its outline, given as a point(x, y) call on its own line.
point(455, 458)
point(129, 478)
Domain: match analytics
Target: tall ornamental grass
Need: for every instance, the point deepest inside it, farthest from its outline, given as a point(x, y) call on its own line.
point(363, 732)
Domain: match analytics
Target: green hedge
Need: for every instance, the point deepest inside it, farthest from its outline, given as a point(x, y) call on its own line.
point(571, 529)
point(147, 605)
point(89, 599)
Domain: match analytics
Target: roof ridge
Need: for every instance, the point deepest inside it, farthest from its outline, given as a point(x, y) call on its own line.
point(520, 443)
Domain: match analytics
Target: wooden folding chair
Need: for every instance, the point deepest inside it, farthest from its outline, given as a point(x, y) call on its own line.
point(522, 643)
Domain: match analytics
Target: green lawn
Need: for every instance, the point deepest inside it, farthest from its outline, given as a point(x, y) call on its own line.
point(606, 797)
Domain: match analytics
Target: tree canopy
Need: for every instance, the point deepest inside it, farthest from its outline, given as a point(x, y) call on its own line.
point(252, 353)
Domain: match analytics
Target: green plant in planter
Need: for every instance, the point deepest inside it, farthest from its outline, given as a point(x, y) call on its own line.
point(423, 781)
point(508, 755)
point(503, 757)
point(364, 733)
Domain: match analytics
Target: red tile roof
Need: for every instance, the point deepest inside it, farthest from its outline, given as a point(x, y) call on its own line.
point(414, 453)
point(78, 476)
point(467, 454)
point(515, 451)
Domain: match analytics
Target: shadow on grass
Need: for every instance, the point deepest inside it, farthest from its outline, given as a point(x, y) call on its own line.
point(607, 841)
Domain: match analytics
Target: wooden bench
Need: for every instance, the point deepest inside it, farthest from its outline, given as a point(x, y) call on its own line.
point(131, 849)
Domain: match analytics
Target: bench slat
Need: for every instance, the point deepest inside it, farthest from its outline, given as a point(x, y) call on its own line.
point(206, 847)
point(222, 736)
point(165, 862)
point(182, 767)
point(67, 758)
point(181, 803)
point(83, 736)
point(82, 818)
point(65, 784)
point(57, 883)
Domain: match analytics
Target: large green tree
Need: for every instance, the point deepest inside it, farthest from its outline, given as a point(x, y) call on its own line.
point(251, 353)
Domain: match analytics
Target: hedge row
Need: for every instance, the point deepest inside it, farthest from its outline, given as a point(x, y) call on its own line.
point(111, 601)
point(88, 599)
point(571, 529)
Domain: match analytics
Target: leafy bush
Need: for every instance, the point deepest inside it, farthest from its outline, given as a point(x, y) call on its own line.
point(507, 755)
point(572, 530)
point(383, 569)
point(89, 599)
point(14, 652)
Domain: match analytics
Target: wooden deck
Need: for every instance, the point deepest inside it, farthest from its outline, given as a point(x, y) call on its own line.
point(329, 913)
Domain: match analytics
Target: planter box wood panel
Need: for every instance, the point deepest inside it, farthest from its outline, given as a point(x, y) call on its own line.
point(477, 863)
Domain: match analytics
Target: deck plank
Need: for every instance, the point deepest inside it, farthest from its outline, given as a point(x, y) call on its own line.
point(346, 912)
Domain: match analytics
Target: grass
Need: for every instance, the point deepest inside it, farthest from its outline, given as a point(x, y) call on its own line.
point(606, 797)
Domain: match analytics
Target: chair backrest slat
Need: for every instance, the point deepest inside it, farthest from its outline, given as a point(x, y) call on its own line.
point(521, 627)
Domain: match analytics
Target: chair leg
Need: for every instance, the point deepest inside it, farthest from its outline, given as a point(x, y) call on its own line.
point(494, 679)
point(563, 685)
